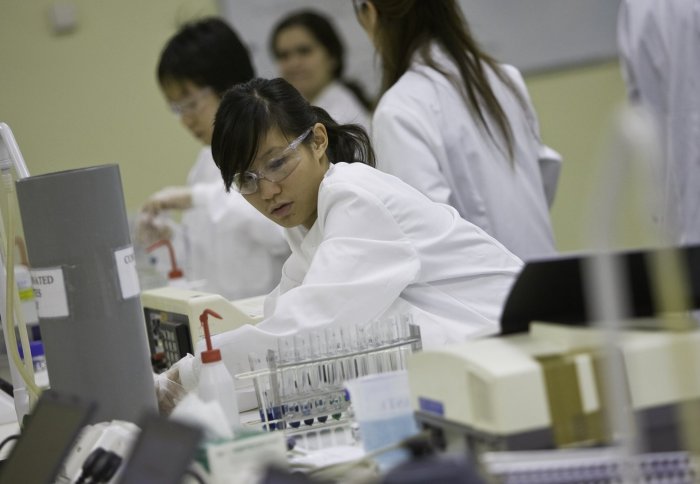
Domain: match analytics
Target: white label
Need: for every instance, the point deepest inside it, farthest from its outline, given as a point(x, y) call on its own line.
point(126, 268)
point(50, 292)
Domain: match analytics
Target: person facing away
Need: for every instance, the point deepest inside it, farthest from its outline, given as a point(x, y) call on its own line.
point(237, 251)
point(364, 243)
point(457, 125)
point(311, 56)
point(659, 43)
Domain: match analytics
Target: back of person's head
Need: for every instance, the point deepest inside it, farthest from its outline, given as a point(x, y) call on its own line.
point(208, 53)
point(320, 28)
point(407, 27)
point(249, 111)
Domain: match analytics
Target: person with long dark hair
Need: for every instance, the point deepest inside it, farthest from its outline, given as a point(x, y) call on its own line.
point(457, 125)
point(311, 56)
point(364, 243)
point(231, 247)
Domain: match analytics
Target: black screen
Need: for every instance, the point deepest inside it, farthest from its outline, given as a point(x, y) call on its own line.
point(162, 453)
point(49, 434)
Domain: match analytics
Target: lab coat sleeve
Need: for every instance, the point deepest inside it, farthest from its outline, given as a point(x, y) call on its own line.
point(407, 146)
point(362, 264)
point(548, 159)
point(231, 209)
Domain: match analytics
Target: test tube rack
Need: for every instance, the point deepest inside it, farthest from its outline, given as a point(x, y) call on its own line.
point(301, 383)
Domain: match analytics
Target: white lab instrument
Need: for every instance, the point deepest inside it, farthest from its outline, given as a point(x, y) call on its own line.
point(172, 319)
point(174, 330)
point(544, 389)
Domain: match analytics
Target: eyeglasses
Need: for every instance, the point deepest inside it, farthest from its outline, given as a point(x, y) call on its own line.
point(190, 104)
point(299, 51)
point(274, 170)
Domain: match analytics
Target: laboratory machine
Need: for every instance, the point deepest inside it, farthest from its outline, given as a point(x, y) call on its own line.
point(172, 320)
point(545, 389)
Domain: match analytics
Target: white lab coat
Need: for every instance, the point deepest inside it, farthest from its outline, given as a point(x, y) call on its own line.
point(343, 106)
point(229, 244)
point(424, 133)
point(378, 248)
point(659, 44)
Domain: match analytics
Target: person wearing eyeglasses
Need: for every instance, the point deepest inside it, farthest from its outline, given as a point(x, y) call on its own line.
point(229, 245)
point(459, 126)
point(310, 55)
point(364, 244)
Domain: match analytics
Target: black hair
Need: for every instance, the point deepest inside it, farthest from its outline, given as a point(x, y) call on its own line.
point(321, 28)
point(207, 52)
point(249, 111)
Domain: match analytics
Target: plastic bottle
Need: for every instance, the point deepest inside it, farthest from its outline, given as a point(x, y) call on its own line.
point(215, 381)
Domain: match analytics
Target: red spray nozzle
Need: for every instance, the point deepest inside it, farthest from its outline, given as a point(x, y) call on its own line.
point(210, 355)
point(175, 271)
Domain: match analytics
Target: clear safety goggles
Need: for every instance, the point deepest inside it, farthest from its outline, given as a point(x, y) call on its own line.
point(274, 170)
point(191, 103)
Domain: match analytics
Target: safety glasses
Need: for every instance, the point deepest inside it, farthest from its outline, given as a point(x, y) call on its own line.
point(274, 170)
point(190, 104)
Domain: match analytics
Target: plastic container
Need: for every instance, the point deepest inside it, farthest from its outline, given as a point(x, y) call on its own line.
point(382, 407)
point(215, 381)
point(38, 358)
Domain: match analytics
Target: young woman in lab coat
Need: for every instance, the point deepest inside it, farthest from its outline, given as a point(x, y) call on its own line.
point(458, 126)
point(364, 243)
point(311, 56)
point(233, 248)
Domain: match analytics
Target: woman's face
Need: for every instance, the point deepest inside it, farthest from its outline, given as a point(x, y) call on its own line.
point(195, 105)
point(303, 61)
point(292, 201)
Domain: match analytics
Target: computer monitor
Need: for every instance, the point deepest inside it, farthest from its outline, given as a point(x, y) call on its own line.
point(50, 432)
point(162, 453)
point(553, 290)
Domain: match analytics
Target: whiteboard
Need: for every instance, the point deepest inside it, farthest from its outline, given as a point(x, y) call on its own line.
point(533, 35)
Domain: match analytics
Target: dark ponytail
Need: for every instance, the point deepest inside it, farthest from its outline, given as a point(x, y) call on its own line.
point(248, 111)
point(346, 142)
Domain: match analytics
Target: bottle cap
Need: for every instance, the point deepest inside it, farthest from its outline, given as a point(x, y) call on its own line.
point(175, 271)
point(210, 355)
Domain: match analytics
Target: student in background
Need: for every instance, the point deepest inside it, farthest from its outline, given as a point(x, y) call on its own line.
point(311, 56)
point(659, 42)
point(230, 245)
point(457, 125)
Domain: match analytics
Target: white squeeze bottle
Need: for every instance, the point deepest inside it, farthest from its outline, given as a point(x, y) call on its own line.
point(215, 382)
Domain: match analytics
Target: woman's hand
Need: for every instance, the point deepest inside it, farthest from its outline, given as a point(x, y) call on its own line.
point(169, 198)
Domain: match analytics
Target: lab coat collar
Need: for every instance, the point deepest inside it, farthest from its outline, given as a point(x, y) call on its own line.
point(305, 241)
